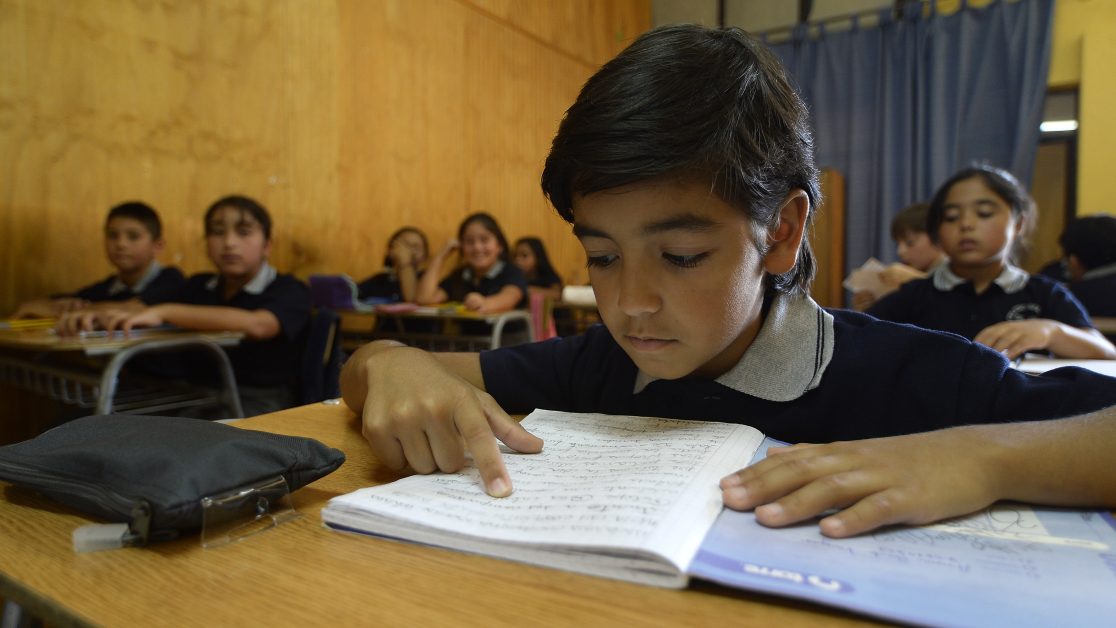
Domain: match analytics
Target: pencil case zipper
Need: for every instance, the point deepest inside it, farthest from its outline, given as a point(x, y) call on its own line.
point(135, 511)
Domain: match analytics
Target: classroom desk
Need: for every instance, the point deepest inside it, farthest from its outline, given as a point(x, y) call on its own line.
point(1041, 365)
point(1105, 324)
point(301, 573)
point(84, 371)
point(446, 332)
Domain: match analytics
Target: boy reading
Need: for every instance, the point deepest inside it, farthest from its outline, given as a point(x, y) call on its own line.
point(133, 239)
point(918, 254)
point(685, 167)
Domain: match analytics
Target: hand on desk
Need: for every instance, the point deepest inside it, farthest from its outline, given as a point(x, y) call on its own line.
point(912, 479)
point(417, 411)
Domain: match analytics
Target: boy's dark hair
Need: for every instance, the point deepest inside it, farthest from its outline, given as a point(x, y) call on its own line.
point(244, 204)
point(400, 231)
point(910, 219)
point(544, 270)
point(141, 212)
point(691, 101)
point(1004, 185)
point(1091, 239)
point(490, 224)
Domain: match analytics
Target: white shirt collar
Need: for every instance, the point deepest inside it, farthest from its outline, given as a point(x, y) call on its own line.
point(1010, 279)
point(1099, 271)
point(492, 273)
point(787, 357)
point(256, 285)
point(153, 270)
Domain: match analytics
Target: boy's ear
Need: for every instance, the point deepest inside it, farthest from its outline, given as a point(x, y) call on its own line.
point(784, 242)
point(158, 244)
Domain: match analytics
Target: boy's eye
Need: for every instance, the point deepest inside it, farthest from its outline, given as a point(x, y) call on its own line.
point(685, 261)
point(599, 261)
point(950, 216)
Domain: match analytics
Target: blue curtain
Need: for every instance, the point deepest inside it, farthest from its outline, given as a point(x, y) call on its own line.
point(900, 106)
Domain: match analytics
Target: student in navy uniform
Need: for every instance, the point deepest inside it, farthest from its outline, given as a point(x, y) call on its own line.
point(686, 168)
point(485, 282)
point(531, 258)
point(133, 239)
point(248, 295)
point(403, 263)
point(918, 253)
point(981, 217)
point(1089, 245)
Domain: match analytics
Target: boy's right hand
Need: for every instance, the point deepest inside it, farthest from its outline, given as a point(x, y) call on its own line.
point(417, 412)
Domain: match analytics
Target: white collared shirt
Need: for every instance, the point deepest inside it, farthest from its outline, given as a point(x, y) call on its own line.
point(1010, 279)
point(118, 285)
point(256, 285)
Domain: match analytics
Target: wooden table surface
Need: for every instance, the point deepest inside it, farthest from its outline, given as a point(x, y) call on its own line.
point(301, 573)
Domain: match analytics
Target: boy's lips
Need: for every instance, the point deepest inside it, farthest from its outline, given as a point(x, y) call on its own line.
point(648, 343)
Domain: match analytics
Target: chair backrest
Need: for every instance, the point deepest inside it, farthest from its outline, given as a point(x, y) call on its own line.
point(338, 292)
point(322, 357)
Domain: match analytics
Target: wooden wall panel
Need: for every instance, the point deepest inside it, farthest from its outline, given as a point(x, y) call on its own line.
point(346, 118)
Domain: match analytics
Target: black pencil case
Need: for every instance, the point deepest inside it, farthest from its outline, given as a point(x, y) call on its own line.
point(152, 472)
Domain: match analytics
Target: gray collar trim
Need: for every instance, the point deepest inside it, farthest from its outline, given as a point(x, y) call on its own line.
point(153, 271)
point(1099, 271)
point(788, 356)
point(1010, 280)
point(257, 285)
point(492, 273)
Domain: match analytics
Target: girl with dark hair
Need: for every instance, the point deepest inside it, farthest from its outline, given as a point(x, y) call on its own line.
point(531, 258)
point(981, 218)
point(485, 282)
point(403, 263)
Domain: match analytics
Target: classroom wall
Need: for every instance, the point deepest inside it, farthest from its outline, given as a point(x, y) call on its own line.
point(346, 118)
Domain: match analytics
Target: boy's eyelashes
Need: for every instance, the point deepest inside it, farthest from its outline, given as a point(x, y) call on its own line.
point(599, 261)
point(685, 261)
point(681, 261)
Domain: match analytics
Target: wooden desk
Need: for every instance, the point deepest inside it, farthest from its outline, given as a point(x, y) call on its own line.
point(1105, 324)
point(84, 371)
point(304, 574)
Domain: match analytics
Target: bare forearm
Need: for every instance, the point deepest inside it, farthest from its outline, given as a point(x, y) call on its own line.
point(1074, 342)
point(1066, 462)
point(408, 283)
point(256, 324)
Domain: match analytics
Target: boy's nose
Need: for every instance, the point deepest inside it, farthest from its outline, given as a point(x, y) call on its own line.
point(637, 293)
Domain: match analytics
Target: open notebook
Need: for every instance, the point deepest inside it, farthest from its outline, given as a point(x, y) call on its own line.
point(637, 499)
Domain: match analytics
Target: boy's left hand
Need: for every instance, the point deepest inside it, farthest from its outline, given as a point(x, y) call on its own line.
point(912, 479)
point(1014, 338)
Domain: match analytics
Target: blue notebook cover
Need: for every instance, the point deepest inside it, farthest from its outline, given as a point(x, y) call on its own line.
point(1010, 565)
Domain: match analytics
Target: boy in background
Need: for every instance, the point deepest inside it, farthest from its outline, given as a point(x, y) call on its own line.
point(918, 254)
point(686, 169)
point(246, 294)
point(1089, 245)
point(133, 239)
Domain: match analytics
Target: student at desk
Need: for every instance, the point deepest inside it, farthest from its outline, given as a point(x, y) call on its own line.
point(485, 282)
point(246, 294)
point(403, 263)
point(981, 217)
point(133, 239)
point(686, 168)
point(1089, 245)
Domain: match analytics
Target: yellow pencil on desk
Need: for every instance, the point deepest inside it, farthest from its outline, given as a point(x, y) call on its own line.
point(27, 323)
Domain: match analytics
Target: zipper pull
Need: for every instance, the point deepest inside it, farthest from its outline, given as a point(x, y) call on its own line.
point(96, 537)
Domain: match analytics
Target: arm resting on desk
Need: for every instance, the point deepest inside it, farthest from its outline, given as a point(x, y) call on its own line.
point(1014, 338)
point(255, 324)
point(920, 478)
point(424, 409)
